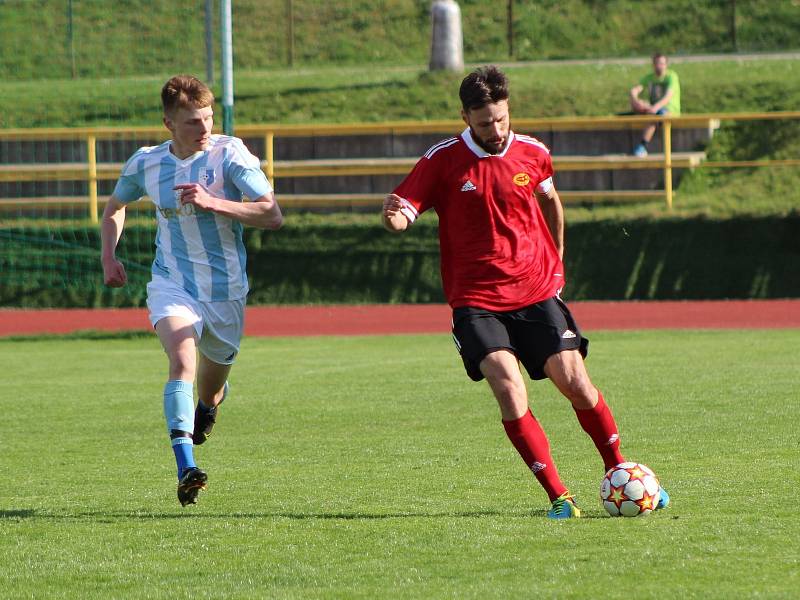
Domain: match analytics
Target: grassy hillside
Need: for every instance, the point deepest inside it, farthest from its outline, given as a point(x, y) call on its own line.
point(354, 94)
point(38, 40)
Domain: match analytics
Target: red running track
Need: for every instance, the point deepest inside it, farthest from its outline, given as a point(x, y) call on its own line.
point(424, 318)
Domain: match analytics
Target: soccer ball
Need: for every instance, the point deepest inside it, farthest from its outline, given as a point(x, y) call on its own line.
point(629, 490)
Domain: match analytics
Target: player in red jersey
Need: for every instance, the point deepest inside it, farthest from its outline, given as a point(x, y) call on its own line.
point(501, 234)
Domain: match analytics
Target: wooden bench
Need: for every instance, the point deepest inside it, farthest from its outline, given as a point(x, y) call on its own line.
point(346, 166)
point(401, 166)
point(321, 201)
point(57, 172)
point(343, 167)
point(375, 200)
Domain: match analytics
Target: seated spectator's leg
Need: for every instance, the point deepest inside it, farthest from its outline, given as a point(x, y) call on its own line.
point(638, 107)
point(647, 135)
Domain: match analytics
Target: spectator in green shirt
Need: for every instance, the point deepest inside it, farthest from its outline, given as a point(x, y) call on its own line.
point(663, 96)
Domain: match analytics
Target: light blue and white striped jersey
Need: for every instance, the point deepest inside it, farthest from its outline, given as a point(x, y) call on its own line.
point(199, 250)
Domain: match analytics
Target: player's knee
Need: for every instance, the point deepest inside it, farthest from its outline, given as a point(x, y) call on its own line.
point(580, 391)
point(181, 365)
point(508, 389)
point(511, 397)
point(585, 400)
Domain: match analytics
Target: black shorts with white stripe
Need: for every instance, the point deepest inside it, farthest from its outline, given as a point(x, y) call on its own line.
point(533, 334)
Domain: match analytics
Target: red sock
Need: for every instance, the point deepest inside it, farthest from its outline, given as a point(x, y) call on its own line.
point(599, 423)
point(530, 441)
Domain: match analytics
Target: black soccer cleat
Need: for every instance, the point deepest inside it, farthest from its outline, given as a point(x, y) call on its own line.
point(192, 481)
point(204, 419)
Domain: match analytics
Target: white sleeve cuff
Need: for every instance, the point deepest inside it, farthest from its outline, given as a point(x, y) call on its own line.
point(409, 211)
point(545, 186)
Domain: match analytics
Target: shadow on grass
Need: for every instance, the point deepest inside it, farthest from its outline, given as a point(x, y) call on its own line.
point(194, 513)
point(83, 334)
point(349, 88)
point(25, 513)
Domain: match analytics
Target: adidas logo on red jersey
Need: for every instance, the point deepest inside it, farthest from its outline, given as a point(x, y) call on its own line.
point(468, 187)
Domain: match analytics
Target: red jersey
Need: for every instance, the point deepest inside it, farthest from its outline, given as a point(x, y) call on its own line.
point(496, 250)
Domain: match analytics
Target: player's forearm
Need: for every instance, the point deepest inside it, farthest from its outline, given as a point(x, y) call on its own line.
point(111, 227)
point(553, 212)
point(264, 213)
point(664, 101)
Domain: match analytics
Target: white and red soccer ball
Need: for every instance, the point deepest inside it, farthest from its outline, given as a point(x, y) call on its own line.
point(630, 490)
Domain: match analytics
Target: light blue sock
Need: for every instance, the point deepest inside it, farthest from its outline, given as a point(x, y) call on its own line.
point(179, 413)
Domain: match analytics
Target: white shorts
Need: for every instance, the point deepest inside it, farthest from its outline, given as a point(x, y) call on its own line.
point(217, 326)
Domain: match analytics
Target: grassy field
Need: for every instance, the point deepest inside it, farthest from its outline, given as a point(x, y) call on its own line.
point(370, 466)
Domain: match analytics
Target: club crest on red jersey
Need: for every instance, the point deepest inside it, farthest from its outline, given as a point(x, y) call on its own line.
point(522, 179)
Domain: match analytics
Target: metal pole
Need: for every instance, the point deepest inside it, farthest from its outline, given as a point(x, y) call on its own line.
point(290, 32)
point(668, 162)
point(226, 31)
point(209, 42)
point(71, 39)
point(510, 32)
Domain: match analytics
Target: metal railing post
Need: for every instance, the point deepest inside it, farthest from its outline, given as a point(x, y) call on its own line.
point(269, 148)
point(91, 157)
point(668, 162)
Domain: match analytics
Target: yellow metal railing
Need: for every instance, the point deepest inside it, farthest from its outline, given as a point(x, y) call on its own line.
point(91, 156)
point(92, 172)
point(667, 135)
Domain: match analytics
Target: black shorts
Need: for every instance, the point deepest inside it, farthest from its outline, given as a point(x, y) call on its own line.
point(533, 334)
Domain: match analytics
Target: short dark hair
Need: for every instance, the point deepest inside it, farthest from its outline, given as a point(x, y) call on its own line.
point(658, 55)
point(185, 91)
point(485, 85)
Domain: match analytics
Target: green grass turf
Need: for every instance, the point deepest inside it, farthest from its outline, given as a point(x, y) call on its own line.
point(371, 467)
point(112, 39)
point(356, 94)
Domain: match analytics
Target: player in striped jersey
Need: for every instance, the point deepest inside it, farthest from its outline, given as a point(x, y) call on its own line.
point(501, 234)
point(197, 293)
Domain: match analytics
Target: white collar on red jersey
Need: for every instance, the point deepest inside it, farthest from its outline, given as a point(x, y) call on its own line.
point(480, 152)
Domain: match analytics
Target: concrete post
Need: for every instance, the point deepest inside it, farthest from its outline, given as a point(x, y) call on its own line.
point(447, 43)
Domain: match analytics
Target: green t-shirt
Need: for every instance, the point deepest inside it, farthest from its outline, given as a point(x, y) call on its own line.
point(656, 87)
